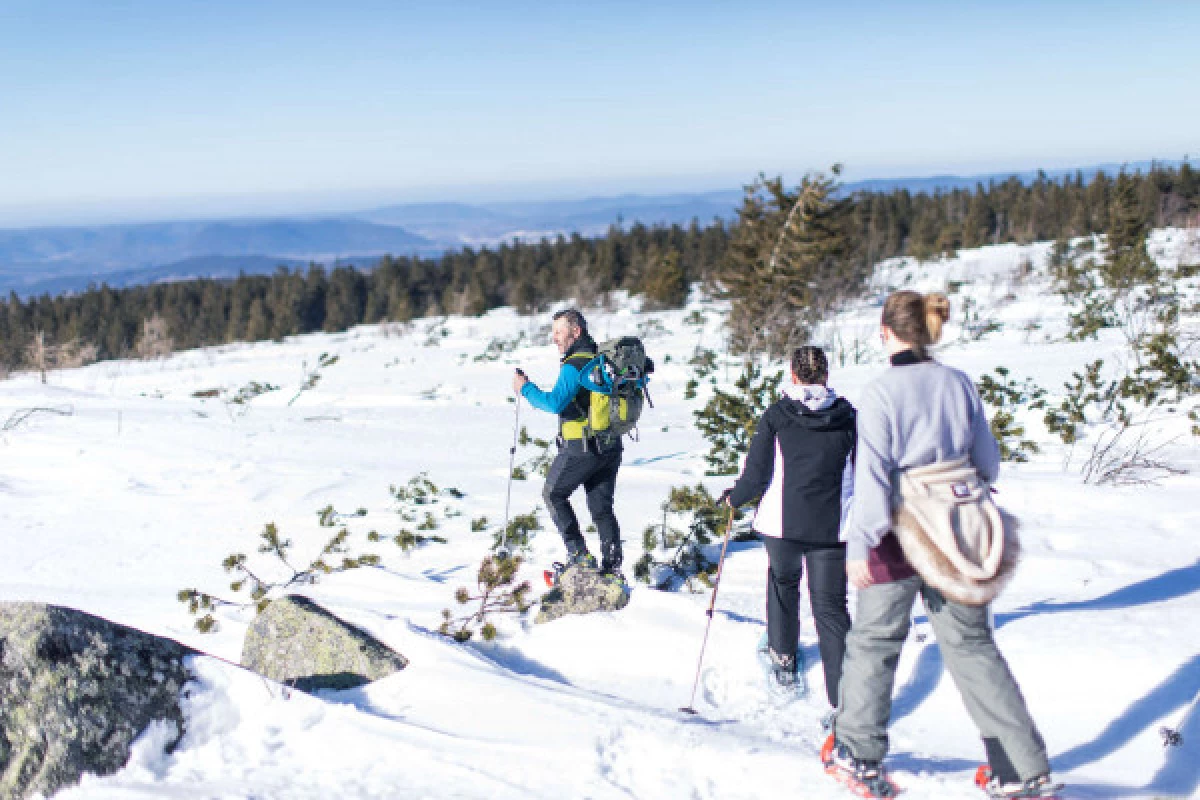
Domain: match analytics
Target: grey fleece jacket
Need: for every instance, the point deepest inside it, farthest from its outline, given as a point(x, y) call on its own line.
point(912, 415)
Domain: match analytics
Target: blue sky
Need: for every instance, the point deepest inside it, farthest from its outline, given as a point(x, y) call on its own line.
point(157, 107)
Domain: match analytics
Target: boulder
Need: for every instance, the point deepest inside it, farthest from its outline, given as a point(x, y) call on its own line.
point(75, 692)
point(298, 643)
point(582, 591)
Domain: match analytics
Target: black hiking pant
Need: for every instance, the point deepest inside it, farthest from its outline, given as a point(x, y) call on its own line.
point(826, 593)
point(596, 472)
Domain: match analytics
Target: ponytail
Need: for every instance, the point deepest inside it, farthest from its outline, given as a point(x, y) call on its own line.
point(916, 319)
point(937, 311)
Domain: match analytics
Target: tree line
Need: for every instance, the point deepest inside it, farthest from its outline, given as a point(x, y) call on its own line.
point(789, 255)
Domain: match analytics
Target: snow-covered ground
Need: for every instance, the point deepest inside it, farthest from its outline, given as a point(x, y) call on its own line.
point(143, 490)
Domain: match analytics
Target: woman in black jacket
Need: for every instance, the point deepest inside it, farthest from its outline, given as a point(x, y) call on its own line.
point(800, 465)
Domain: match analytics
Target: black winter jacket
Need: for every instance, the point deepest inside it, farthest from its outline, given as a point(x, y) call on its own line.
point(797, 464)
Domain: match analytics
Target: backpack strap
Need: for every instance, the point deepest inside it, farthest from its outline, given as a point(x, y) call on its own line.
point(577, 410)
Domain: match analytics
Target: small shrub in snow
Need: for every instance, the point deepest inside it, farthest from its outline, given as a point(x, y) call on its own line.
point(1072, 278)
point(1085, 390)
point(414, 503)
point(497, 592)
point(703, 363)
point(1008, 398)
point(256, 587)
point(728, 420)
point(1087, 322)
point(313, 376)
point(408, 541)
point(520, 530)
point(674, 557)
point(498, 347)
point(436, 331)
point(479, 524)
point(243, 396)
point(975, 324)
point(651, 328)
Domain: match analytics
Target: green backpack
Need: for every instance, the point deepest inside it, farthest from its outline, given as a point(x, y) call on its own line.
point(617, 378)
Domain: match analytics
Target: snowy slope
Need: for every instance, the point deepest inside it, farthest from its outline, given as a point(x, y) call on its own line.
point(143, 489)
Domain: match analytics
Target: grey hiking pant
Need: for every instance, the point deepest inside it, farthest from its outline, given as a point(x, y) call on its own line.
point(1014, 746)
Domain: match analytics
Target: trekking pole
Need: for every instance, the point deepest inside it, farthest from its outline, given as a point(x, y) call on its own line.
point(689, 708)
point(502, 552)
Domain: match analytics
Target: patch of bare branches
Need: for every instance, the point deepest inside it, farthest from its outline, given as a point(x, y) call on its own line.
point(1125, 455)
point(22, 414)
point(43, 356)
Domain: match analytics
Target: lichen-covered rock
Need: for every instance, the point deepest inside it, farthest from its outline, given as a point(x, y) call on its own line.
point(295, 641)
point(582, 591)
point(75, 692)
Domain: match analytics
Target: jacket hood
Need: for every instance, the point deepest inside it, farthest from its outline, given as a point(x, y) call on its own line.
point(816, 407)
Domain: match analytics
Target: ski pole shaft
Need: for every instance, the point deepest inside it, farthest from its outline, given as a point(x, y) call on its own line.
point(512, 455)
point(712, 604)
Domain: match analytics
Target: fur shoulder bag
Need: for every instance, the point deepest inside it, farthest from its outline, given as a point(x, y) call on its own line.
point(953, 534)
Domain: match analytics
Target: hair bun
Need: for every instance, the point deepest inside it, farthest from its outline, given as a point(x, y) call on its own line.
point(937, 311)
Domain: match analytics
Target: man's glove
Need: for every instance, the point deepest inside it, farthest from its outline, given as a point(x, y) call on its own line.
point(723, 500)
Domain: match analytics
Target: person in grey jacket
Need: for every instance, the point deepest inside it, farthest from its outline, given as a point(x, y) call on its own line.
point(917, 413)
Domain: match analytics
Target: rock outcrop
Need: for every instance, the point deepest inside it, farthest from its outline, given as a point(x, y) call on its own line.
point(298, 643)
point(75, 692)
point(582, 591)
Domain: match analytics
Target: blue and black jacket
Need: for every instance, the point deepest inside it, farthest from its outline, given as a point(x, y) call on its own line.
point(568, 399)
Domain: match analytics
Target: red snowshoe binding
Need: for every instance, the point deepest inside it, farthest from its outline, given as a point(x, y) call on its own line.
point(1040, 787)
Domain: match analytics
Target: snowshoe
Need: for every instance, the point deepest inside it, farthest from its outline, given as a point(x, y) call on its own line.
point(863, 778)
point(1042, 786)
point(551, 576)
point(784, 676)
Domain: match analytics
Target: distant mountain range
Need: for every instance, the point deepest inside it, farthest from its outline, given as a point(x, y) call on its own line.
point(54, 260)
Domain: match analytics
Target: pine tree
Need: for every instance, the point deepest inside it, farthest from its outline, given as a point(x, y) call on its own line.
point(1128, 263)
point(665, 282)
point(790, 259)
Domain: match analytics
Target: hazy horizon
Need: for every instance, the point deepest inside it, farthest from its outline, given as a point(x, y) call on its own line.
point(133, 211)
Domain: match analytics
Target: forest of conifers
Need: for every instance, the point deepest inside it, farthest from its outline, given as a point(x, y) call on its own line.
point(657, 262)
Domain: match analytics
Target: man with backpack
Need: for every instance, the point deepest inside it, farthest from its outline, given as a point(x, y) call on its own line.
point(589, 452)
